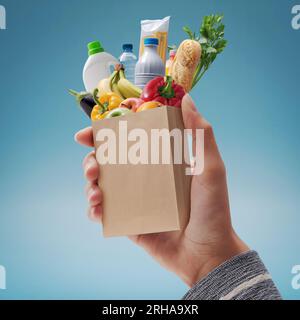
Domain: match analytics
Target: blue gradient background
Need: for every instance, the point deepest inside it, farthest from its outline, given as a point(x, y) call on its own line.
point(251, 96)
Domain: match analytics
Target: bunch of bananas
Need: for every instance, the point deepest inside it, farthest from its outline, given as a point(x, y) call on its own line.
point(118, 84)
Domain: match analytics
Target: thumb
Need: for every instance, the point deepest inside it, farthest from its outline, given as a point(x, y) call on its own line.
point(193, 120)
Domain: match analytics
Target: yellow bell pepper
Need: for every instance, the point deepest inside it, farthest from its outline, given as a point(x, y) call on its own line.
point(110, 100)
point(97, 113)
point(107, 101)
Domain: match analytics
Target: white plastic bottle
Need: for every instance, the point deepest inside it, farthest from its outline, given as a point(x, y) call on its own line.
point(128, 59)
point(150, 64)
point(97, 66)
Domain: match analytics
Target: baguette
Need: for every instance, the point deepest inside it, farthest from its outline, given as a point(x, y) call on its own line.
point(185, 63)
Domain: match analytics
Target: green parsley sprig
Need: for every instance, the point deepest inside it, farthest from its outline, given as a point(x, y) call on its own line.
point(211, 38)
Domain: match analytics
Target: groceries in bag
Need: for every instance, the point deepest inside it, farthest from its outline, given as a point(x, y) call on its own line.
point(162, 191)
point(192, 59)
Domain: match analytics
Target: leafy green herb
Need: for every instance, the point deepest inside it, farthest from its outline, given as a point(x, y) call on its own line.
point(211, 38)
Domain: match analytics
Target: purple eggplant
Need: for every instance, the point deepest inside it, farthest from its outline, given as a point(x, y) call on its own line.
point(85, 100)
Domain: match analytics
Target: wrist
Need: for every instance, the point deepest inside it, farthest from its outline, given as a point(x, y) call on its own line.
point(205, 261)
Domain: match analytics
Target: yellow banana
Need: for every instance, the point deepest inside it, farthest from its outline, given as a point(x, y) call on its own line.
point(128, 89)
point(114, 78)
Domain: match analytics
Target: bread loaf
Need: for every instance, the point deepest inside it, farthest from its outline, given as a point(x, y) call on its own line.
point(185, 63)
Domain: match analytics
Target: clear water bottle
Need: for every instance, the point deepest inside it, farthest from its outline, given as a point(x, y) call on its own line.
point(128, 59)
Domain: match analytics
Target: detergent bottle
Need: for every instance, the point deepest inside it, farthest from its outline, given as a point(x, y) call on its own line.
point(98, 65)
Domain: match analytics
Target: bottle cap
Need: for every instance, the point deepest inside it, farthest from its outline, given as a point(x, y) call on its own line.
point(127, 47)
point(153, 41)
point(95, 47)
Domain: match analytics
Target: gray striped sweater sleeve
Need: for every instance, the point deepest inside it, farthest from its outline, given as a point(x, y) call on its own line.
point(243, 277)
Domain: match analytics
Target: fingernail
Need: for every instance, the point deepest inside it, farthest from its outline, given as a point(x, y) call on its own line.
point(75, 137)
point(77, 134)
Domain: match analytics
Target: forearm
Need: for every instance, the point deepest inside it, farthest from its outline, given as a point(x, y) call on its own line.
point(243, 277)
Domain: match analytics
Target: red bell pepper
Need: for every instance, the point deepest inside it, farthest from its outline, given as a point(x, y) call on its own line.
point(163, 90)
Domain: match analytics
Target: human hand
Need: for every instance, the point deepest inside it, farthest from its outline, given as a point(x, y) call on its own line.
point(208, 239)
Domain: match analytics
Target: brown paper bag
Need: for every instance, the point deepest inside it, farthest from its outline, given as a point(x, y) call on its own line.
point(144, 198)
